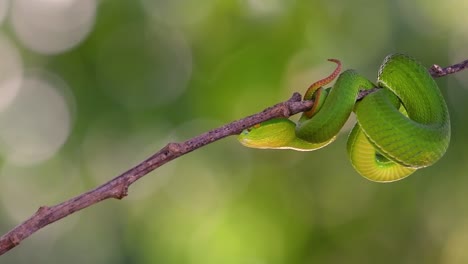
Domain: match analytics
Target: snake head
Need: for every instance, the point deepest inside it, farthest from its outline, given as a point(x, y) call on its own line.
point(276, 133)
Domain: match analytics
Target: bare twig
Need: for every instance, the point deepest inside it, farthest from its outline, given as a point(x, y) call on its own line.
point(437, 71)
point(117, 187)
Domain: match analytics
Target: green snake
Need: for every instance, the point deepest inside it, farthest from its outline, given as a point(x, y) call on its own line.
point(402, 126)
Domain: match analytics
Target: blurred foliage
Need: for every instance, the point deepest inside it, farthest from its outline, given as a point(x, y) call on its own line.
point(150, 72)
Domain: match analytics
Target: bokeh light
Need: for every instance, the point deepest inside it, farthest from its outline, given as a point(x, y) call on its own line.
point(39, 120)
point(51, 26)
point(11, 72)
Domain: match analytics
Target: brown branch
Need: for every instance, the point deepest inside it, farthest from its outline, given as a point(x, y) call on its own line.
point(437, 71)
point(117, 187)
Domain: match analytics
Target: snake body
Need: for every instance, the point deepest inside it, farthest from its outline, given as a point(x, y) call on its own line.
point(401, 127)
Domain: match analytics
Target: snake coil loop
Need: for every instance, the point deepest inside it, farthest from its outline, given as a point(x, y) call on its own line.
point(401, 127)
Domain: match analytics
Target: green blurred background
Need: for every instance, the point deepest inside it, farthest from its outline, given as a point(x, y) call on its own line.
point(89, 88)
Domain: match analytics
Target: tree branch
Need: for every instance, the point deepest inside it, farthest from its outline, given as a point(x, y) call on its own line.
point(117, 187)
point(437, 71)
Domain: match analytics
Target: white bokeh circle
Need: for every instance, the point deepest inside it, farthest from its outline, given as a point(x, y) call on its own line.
point(52, 26)
point(38, 121)
point(11, 72)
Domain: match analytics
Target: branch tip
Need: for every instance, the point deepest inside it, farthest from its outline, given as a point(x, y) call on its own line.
point(438, 71)
point(435, 69)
